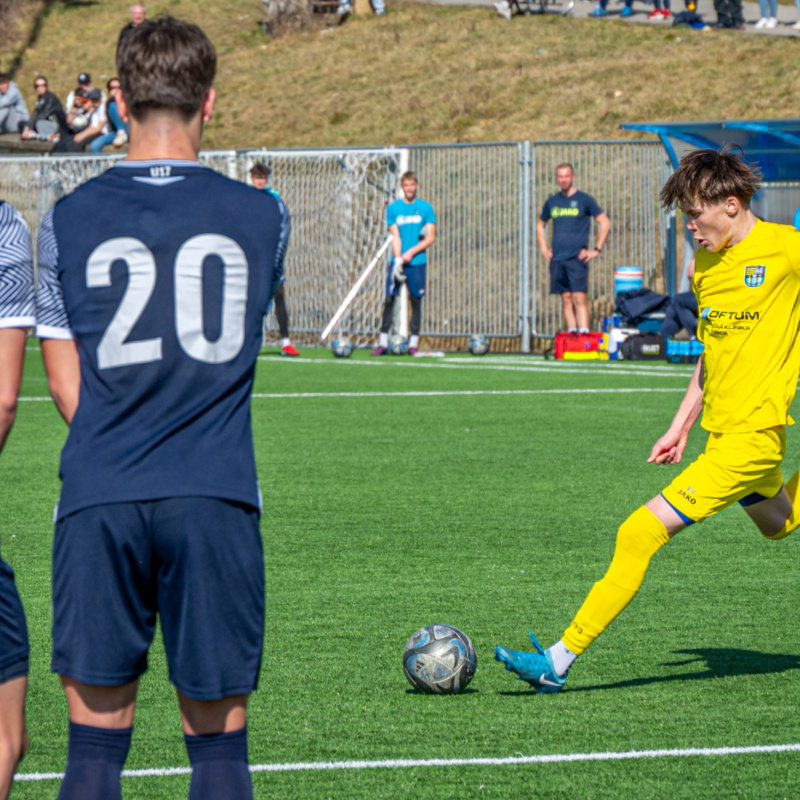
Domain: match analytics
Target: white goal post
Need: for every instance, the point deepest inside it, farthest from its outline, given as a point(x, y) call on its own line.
point(337, 199)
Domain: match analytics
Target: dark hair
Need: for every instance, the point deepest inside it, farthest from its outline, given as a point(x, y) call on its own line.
point(709, 176)
point(110, 81)
point(260, 170)
point(165, 64)
point(5, 77)
point(409, 176)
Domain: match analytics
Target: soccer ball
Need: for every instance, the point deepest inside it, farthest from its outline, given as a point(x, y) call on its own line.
point(479, 345)
point(398, 345)
point(439, 659)
point(342, 347)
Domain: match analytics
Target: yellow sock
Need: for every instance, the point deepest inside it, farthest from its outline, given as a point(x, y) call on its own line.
point(639, 538)
point(793, 522)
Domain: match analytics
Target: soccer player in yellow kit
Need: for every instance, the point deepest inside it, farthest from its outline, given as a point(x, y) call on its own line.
point(747, 282)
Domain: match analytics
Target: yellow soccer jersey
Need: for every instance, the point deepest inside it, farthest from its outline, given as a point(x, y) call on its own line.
point(748, 298)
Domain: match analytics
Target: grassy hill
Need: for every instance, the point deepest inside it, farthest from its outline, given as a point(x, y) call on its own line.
point(438, 74)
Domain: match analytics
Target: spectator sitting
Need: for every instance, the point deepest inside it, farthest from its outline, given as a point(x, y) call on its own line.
point(78, 111)
point(116, 130)
point(47, 121)
point(85, 86)
point(13, 111)
point(96, 126)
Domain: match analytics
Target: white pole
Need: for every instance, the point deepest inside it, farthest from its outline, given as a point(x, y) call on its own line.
point(354, 291)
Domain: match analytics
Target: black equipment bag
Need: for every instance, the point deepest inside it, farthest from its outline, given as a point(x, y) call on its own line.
point(644, 347)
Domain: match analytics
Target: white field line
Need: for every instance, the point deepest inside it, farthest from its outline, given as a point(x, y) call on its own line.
point(464, 393)
point(405, 763)
point(453, 363)
point(434, 393)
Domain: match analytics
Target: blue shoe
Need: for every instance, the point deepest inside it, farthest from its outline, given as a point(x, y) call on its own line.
point(598, 13)
point(535, 668)
point(626, 12)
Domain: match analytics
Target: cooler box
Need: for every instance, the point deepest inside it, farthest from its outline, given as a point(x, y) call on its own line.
point(627, 279)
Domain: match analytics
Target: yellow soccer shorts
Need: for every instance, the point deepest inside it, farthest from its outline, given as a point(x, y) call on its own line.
point(735, 467)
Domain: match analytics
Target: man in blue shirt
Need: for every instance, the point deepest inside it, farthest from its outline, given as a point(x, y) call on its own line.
point(160, 271)
point(259, 177)
point(412, 224)
point(569, 255)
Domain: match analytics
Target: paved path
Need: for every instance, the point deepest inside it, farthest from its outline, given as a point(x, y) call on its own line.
point(787, 15)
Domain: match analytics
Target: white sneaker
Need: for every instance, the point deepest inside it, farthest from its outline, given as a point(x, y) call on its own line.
point(796, 26)
point(503, 9)
point(772, 22)
point(762, 23)
point(120, 139)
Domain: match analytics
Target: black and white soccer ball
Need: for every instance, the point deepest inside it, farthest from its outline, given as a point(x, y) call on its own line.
point(342, 347)
point(398, 345)
point(479, 345)
point(439, 659)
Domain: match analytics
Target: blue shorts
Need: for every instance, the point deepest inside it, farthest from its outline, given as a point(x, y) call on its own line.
point(197, 562)
point(415, 280)
point(569, 275)
point(13, 631)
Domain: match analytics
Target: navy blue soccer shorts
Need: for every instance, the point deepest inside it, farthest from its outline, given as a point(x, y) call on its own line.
point(415, 280)
point(197, 562)
point(568, 275)
point(13, 631)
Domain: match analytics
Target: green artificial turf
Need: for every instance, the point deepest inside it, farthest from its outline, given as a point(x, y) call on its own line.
point(490, 512)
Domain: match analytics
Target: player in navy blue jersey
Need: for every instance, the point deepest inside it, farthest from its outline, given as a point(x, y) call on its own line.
point(161, 271)
point(569, 256)
point(259, 176)
point(17, 315)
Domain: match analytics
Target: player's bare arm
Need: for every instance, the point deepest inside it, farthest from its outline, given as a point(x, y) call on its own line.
point(12, 356)
point(604, 223)
point(669, 448)
point(62, 367)
point(397, 247)
point(541, 238)
point(430, 238)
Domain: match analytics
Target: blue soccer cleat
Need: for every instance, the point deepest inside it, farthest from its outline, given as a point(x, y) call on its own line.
point(535, 668)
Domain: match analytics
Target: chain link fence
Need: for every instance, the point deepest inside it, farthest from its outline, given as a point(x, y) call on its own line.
point(485, 273)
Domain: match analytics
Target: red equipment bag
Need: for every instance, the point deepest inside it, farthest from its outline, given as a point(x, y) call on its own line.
point(578, 345)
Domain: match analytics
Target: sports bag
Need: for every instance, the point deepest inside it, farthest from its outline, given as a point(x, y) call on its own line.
point(644, 347)
point(578, 346)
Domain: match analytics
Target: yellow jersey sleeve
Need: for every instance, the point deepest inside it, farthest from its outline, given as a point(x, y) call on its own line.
point(748, 299)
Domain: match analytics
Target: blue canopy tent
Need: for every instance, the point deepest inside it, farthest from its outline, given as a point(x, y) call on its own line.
point(771, 144)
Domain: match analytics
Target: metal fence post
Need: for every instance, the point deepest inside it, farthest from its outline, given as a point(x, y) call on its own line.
point(525, 246)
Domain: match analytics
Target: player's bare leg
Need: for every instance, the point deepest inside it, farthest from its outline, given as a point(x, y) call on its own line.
point(12, 357)
point(639, 538)
point(568, 311)
point(581, 304)
point(13, 733)
point(215, 732)
point(778, 516)
point(100, 728)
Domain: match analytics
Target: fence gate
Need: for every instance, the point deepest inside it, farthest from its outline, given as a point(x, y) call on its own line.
point(474, 277)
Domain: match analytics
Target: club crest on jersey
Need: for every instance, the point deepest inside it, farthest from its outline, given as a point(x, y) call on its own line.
point(754, 276)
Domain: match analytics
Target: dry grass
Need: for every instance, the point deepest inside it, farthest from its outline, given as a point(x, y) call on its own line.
point(441, 74)
point(17, 24)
